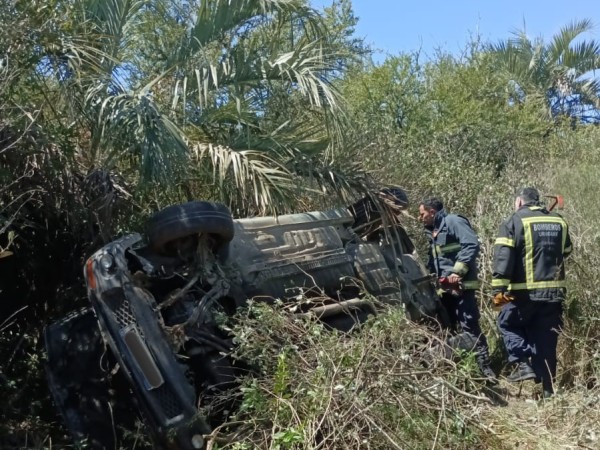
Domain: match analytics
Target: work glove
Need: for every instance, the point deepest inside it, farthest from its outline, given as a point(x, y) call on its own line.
point(498, 290)
point(501, 298)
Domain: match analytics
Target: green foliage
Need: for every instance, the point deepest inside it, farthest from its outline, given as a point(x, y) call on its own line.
point(557, 71)
point(576, 180)
point(385, 104)
point(427, 126)
point(110, 110)
point(341, 21)
point(22, 389)
point(226, 76)
point(381, 385)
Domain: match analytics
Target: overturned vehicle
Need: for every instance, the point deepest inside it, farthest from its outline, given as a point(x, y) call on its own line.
point(152, 328)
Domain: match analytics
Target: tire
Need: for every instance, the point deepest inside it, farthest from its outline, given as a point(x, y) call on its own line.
point(179, 221)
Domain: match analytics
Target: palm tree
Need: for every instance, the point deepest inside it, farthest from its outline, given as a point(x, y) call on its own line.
point(213, 99)
point(227, 99)
point(185, 99)
point(105, 104)
point(558, 70)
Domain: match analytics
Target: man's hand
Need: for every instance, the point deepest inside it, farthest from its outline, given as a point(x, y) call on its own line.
point(454, 279)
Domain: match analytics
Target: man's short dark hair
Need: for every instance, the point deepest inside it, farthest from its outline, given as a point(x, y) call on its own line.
point(529, 195)
point(432, 203)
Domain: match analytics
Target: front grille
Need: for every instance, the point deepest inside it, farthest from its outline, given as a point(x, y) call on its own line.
point(169, 403)
point(124, 314)
point(164, 398)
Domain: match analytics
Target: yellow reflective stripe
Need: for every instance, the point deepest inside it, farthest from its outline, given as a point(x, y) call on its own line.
point(558, 220)
point(505, 241)
point(500, 282)
point(528, 247)
point(568, 250)
point(460, 268)
point(473, 284)
point(537, 285)
point(527, 222)
point(455, 246)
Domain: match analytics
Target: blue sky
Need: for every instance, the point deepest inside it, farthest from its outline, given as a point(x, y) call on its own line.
point(395, 26)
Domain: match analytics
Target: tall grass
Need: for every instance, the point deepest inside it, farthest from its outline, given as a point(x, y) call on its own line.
point(574, 174)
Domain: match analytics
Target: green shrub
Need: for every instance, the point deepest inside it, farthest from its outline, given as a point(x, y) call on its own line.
point(381, 386)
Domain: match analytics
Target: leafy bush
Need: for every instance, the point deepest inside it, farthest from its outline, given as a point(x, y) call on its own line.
point(382, 386)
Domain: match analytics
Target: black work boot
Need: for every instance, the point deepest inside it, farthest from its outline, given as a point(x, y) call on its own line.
point(522, 372)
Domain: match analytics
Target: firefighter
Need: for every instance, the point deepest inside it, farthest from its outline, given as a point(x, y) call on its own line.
point(453, 254)
point(529, 282)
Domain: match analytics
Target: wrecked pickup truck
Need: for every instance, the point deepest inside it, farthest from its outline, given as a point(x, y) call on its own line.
point(152, 329)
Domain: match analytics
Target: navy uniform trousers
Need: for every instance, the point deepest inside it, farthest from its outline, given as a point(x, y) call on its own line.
point(530, 330)
point(463, 311)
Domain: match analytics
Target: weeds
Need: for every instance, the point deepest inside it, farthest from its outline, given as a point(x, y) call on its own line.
point(384, 385)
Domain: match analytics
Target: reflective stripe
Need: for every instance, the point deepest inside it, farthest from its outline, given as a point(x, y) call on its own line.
point(460, 268)
point(568, 250)
point(529, 265)
point(473, 284)
point(537, 285)
point(528, 249)
point(449, 248)
point(500, 282)
point(505, 241)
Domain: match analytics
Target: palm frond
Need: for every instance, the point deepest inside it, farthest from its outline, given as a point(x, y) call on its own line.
point(562, 41)
point(343, 179)
point(115, 20)
point(303, 69)
point(583, 56)
point(131, 124)
point(215, 18)
point(554, 69)
point(257, 178)
point(259, 50)
point(590, 91)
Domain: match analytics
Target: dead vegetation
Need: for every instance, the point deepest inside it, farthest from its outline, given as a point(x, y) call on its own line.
point(385, 385)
